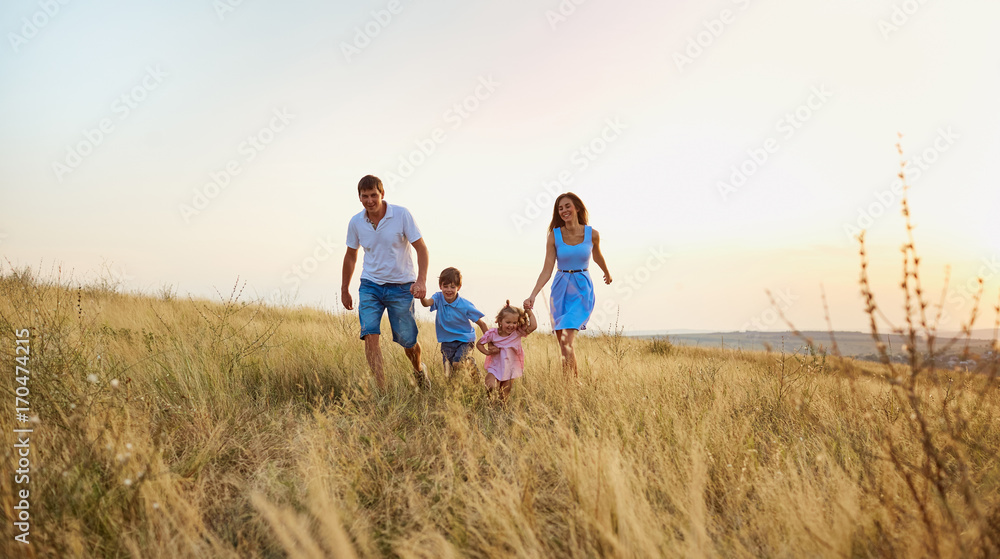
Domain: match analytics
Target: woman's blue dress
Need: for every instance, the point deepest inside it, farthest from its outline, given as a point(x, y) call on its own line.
point(572, 299)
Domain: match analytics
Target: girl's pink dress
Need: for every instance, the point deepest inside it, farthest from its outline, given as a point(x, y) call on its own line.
point(509, 363)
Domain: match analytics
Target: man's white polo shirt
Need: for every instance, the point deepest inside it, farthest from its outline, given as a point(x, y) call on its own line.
point(387, 248)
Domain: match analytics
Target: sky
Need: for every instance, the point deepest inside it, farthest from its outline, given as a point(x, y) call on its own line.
point(723, 149)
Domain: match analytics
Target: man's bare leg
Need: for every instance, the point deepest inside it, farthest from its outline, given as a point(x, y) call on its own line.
point(413, 354)
point(374, 355)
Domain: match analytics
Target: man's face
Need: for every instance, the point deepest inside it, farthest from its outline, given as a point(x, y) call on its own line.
point(450, 291)
point(371, 199)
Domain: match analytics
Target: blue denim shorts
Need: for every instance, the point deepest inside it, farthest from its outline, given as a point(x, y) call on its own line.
point(456, 352)
point(392, 297)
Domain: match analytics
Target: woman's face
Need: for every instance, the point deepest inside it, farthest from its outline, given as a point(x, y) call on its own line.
point(567, 210)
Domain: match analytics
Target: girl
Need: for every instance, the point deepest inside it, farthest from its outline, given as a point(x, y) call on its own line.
point(504, 355)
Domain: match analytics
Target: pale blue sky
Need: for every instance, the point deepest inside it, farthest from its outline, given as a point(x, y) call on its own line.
point(609, 75)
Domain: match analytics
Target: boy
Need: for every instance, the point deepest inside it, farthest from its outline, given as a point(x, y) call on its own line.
point(453, 321)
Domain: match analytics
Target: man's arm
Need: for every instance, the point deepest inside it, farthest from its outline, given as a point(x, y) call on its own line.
point(419, 288)
point(350, 260)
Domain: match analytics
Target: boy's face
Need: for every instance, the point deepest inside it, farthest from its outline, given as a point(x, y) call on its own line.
point(450, 291)
point(508, 323)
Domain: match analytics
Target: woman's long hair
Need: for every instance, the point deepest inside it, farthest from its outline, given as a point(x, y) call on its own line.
point(581, 211)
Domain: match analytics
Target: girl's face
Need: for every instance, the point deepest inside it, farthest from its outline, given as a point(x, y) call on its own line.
point(507, 324)
point(567, 210)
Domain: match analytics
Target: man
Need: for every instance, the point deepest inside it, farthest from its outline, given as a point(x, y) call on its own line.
point(388, 282)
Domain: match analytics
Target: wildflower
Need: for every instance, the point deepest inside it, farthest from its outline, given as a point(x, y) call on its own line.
point(156, 506)
point(128, 482)
point(114, 383)
point(92, 378)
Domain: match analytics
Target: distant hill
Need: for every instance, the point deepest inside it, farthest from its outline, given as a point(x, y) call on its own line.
point(851, 344)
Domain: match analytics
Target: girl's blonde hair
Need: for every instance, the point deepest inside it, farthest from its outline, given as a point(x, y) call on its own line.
point(522, 317)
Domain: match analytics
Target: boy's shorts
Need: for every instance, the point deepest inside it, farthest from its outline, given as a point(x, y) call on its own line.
point(395, 298)
point(456, 352)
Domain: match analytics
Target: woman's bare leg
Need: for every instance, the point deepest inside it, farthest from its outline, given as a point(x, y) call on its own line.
point(565, 338)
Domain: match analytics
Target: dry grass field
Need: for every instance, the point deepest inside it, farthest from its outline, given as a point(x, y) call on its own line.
point(174, 428)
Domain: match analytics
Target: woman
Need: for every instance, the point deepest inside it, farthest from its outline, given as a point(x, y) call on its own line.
point(570, 243)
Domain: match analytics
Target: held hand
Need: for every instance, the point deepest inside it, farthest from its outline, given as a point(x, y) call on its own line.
point(607, 278)
point(529, 303)
point(345, 298)
point(418, 289)
point(492, 349)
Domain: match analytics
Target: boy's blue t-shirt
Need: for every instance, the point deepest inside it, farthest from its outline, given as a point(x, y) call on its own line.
point(454, 320)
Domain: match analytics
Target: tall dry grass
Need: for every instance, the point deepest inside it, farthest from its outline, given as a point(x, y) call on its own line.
point(238, 430)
